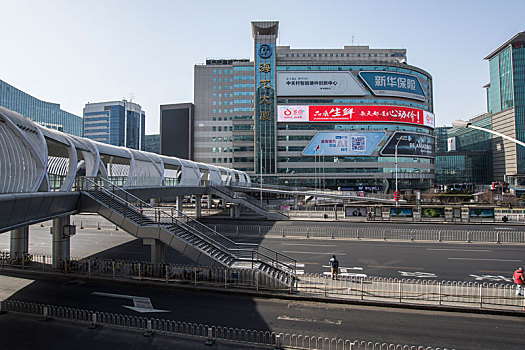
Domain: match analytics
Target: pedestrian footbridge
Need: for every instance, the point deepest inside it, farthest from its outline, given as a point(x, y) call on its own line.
point(46, 174)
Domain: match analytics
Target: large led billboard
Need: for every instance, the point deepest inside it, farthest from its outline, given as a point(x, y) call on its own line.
point(358, 113)
point(352, 143)
point(409, 144)
point(318, 84)
point(393, 84)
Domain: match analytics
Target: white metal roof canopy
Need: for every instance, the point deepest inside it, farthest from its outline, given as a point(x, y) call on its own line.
point(29, 152)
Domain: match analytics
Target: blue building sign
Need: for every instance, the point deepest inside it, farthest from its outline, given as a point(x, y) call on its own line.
point(393, 84)
point(343, 143)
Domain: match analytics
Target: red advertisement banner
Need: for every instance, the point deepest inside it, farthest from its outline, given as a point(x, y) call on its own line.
point(370, 114)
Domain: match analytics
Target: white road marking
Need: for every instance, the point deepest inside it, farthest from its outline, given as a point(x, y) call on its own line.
point(346, 268)
point(297, 252)
point(462, 250)
point(311, 320)
point(491, 278)
point(417, 274)
point(141, 304)
point(505, 228)
point(474, 259)
point(299, 272)
point(347, 274)
point(311, 245)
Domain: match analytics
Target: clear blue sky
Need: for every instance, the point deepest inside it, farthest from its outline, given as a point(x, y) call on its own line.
point(74, 52)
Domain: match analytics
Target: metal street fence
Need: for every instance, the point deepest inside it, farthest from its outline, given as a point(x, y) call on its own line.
point(217, 277)
point(471, 295)
point(387, 233)
point(412, 291)
point(198, 331)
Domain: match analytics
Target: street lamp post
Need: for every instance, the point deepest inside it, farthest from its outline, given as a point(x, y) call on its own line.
point(464, 124)
point(396, 193)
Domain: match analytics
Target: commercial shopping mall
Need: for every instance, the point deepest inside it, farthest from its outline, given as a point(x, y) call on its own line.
point(329, 118)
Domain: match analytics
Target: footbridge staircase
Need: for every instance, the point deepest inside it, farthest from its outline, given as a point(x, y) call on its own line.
point(190, 237)
point(247, 201)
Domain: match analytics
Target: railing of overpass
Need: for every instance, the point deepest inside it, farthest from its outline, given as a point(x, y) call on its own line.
point(376, 233)
point(314, 191)
point(240, 251)
point(196, 330)
point(243, 196)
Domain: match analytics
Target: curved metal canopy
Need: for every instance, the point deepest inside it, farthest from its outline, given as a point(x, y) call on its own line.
point(32, 158)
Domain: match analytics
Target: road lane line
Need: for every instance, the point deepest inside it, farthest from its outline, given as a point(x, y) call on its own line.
point(462, 250)
point(396, 267)
point(475, 259)
point(310, 320)
point(297, 252)
point(492, 271)
point(311, 245)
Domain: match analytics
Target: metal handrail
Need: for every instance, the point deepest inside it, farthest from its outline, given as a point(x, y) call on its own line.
point(248, 247)
point(242, 196)
point(157, 216)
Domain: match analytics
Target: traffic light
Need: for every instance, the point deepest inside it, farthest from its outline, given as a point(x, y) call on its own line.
point(396, 195)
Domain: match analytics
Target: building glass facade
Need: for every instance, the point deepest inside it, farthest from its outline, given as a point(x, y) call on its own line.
point(118, 123)
point(470, 160)
point(44, 113)
point(152, 143)
point(506, 102)
point(364, 98)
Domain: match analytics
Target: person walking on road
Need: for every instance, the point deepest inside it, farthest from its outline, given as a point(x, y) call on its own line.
point(519, 279)
point(334, 265)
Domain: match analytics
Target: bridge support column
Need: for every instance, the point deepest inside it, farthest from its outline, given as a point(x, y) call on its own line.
point(198, 200)
point(19, 243)
point(157, 249)
point(178, 204)
point(209, 201)
point(235, 211)
point(60, 249)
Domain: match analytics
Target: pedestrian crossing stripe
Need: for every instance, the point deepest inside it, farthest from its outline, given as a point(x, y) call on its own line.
point(347, 274)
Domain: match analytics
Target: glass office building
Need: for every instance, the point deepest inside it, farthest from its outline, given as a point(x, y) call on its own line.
point(317, 117)
point(506, 102)
point(118, 123)
point(152, 143)
point(467, 158)
point(44, 113)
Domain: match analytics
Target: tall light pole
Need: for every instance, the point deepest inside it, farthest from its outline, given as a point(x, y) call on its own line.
point(396, 193)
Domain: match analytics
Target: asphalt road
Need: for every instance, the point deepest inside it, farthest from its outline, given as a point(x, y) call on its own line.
point(376, 324)
point(486, 262)
point(441, 261)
